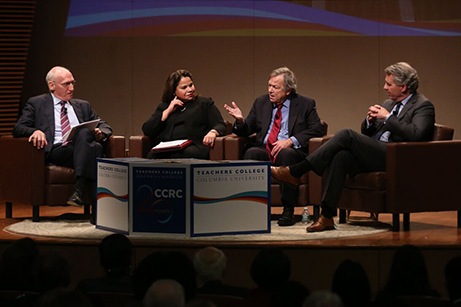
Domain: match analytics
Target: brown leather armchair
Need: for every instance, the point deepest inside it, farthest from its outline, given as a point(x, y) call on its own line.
point(420, 177)
point(26, 179)
point(140, 145)
point(234, 146)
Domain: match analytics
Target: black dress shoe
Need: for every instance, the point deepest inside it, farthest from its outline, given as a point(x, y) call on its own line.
point(76, 199)
point(288, 217)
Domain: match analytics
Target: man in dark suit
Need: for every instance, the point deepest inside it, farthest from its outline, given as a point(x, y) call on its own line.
point(283, 121)
point(406, 117)
point(47, 117)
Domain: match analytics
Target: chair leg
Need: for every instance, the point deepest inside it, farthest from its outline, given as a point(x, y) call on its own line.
point(316, 212)
point(396, 222)
point(459, 219)
point(35, 214)
point(406, 221)
point(342, 216)
point(86, 210)
point(8, 210)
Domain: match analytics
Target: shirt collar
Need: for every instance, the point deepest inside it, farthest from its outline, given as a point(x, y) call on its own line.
point(56, 100)
point(404, 102)
point(286, 104)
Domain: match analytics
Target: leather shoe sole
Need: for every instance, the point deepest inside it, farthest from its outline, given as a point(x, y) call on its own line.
point(322, 224)
point(75, 200)
point(282, 173)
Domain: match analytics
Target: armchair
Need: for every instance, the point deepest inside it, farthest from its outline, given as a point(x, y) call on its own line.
point(25, 178)
point(420, 177)
point(310, 183)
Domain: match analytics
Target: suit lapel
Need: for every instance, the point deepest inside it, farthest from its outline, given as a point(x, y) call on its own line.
point(292, 114)
point(267, 115)
point(77, 110)
point(49, 112)
point(409, 104)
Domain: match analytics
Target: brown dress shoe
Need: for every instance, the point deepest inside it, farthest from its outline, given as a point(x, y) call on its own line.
point(282, 173)
point(323, 223)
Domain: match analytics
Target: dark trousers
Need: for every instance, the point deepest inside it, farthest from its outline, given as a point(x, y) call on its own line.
point(347, 153)
point(286, 157)
point(80, 154)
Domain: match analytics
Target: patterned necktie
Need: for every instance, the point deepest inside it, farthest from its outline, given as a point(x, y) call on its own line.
point(274, 132)
point(65, 124)
point(397, 108)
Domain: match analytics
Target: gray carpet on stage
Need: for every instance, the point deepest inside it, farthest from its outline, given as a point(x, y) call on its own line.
point(82, 229)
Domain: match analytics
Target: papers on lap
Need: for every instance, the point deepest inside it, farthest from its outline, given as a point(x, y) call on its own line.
point(90, 125)
point(171, 145)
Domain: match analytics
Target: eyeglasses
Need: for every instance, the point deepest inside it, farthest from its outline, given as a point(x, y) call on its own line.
point(67, 84)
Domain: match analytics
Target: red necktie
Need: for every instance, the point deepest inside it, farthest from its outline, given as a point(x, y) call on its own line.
point(274, 132)
point(65, 124)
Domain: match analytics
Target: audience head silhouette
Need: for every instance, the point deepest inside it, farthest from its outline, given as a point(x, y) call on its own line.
point(210, 264)
point(408, 274)
point(115, 253)
point(270, 269)
point(165, 293)
point(51, 271)
point(323, 299)
point(350, 282)
point(164, 265)
point(16, 265)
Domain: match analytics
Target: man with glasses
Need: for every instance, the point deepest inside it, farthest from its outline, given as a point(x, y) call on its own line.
point(407, 116)
point(47, 118)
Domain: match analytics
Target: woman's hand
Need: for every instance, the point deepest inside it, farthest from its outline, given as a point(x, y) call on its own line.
point(174, 104)
point(209, 138)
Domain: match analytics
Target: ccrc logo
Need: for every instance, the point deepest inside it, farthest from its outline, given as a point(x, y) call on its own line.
point(168, 193)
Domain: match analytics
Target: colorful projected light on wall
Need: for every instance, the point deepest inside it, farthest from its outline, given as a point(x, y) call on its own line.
point(233, 18)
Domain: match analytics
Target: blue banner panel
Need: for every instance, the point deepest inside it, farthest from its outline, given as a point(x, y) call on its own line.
point(159, 199)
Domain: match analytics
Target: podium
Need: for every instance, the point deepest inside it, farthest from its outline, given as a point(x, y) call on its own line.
point(183, 197)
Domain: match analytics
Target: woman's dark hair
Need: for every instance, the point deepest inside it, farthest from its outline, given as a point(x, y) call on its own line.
point(172, 83)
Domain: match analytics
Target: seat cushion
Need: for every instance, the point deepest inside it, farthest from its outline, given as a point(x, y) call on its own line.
point(375, 181)
point(59, 175)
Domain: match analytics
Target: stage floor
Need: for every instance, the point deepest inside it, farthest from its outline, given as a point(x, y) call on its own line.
point(433, 229)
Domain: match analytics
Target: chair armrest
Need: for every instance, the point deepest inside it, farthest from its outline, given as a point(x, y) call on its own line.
point(315, 181)
point(315, 143)
point(233, 148)
point(139, 146)
point(116, 147)
point(22, 171)
point(217, 151)
point(423, 176)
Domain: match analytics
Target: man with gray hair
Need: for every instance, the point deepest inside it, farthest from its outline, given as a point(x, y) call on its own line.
point(210, 264)
point(46, 119)
point(283, 121)
point(407, 116)
point(165, 293)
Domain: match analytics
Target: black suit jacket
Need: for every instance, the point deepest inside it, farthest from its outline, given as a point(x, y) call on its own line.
point(201, 116)
point(303, 121)
point(415, 122)
point(39, 114)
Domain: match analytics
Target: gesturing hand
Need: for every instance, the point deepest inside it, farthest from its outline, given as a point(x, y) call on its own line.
point(235, 112)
